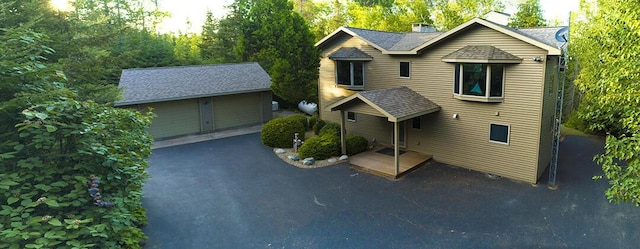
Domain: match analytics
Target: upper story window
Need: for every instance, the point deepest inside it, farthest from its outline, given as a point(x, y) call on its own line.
point(480, 72)
point(405, 69)
point(350, 67)
point(482, 82)
point(350, 73)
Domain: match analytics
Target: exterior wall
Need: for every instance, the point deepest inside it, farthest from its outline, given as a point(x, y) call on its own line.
point(464, 141)
point(549, 95)
point(174, 118)
point(267, 113)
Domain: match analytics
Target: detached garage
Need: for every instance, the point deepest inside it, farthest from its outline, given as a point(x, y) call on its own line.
point(198, 99)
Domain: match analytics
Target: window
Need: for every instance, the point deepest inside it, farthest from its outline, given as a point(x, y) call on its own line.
point(405, 69)
point(351, 116)
point(416, 123)
point(499, 133)
point(350, 73)
point(479, 81)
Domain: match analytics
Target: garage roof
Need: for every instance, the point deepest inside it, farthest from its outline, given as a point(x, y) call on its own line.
point(148, 85)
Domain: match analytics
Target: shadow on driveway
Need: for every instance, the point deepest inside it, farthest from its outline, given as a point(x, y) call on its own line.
point(235, 193)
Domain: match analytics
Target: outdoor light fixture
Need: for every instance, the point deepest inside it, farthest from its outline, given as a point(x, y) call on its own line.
point(537, 59)
point(455, 116)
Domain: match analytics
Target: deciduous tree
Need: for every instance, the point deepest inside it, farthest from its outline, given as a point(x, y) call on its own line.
point(606, 43)
point(529, 14)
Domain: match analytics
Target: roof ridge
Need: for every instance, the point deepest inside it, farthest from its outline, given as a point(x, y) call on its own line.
point(187, 66)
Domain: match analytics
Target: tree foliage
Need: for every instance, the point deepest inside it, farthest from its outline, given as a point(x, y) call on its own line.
point(276, 37)
point(605, 44)
point(451, 13)
point(529, 14)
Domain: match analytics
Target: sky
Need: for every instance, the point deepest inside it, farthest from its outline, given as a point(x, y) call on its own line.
point(194, 11)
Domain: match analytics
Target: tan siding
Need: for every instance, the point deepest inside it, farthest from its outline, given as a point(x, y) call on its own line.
point(237, 110)
point(371, 127)
point(364, 109)
point(174, 118)
point(546, 129)
point(465, 141)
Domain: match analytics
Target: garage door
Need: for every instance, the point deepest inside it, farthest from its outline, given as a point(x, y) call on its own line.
point(237, 110)
point(175, 118)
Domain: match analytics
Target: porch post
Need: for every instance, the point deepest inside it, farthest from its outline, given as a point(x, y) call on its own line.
point(343, 134)
point(396, 147)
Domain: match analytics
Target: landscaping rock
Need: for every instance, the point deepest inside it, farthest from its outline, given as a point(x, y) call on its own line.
point(332, 160)
point(308, 161)
point(294, 158)
point(280, 151)
point(343, 157)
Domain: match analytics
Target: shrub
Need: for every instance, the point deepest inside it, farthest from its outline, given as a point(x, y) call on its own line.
point(313, 119)
point(356, 144)
point(300, 118)
point(330, 128)
point(318, 125)
point(279, 132)
point(321, 147)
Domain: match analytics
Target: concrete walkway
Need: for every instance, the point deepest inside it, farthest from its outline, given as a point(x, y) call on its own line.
point(205, 137)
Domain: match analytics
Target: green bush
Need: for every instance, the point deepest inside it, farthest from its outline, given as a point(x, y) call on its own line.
point(279, 132)
point(300, 118)
point(321, 147)
point(356, 144)
point(313, 119)
point(330, 128)
point(318, 125)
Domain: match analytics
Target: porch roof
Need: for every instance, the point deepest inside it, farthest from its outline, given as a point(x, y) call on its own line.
point(481, 54)
point(350, 54)
point(397, 104)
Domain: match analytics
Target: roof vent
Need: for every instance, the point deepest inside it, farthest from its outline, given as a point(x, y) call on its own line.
point(422, 28)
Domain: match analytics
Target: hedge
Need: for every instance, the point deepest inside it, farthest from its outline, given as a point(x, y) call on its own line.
point(330, 128)
point(300, 118)
point(313, 120)
point(318, 125)
point(320, 147)
point(356, 144)
point(279, 132)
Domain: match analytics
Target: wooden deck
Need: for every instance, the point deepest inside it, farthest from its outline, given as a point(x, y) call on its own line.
point(380, 164)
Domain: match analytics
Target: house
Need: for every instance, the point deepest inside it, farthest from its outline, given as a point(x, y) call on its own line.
point(198, 99)
point(480, 96)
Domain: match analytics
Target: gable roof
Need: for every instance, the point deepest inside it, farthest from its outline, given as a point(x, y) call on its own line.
point(481, 54)
point(350, 54)
point(148, 85)
point(397, 104)
point(413, 43)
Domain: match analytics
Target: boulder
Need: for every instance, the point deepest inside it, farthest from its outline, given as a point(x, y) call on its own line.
point(343, 157)
point(280, 151)
point(332, 160)
point(308, 161)
point(294, 158)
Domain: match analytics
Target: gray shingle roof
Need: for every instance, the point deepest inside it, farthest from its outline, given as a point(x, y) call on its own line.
point(394, 41)
point(147, 85)
point(349, 53)
point(399, 103)
point(484, 52)
point(545, 35)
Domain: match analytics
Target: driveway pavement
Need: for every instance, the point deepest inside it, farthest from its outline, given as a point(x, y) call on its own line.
point(235, 193)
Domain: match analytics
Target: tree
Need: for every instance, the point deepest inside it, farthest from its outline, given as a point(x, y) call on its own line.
point(451, 13)
point(278, 38)
point(396, 18)
point(529, 14)
point(606, 43)
point(219, 37)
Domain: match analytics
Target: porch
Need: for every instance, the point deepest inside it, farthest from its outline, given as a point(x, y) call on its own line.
point(375, 161)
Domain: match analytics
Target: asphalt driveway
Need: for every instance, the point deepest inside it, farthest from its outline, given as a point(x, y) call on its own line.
point(235, 193)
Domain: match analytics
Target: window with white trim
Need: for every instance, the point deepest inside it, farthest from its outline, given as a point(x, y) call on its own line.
point(499, 133)
point(405, 69)
point(479, 81)
point(350, 73)
point(351, 116)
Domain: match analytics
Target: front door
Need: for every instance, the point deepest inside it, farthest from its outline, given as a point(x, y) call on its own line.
point(402, 134)
point(206, 115)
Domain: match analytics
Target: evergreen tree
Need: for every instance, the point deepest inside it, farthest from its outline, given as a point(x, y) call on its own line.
point(529, 15)
point(278, 38)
